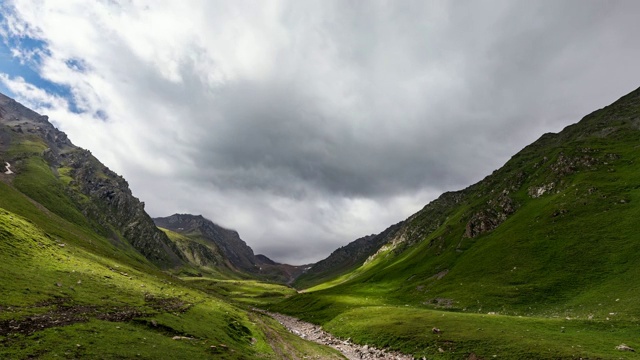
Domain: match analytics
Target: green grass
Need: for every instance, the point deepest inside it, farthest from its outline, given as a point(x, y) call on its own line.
point(410, 330)
point(556, 279)
point(51, 259)
point(570, 253)
point(36, 269)
point(36, 180)
point(204, 256)
point(248, 292)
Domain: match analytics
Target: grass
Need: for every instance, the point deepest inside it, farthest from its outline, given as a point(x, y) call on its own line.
point(247, 292)
point(204, 256)
point(53, 263)
point(40, 277)
point(409, 329)
point(556, 279)
point(570, 253)
point(36, 180)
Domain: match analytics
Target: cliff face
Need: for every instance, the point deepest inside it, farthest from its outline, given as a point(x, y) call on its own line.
point(72, 183)
point(234, 249)
point(228, 243)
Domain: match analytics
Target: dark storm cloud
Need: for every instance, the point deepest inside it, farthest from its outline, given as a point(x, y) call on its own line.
point(490, 71)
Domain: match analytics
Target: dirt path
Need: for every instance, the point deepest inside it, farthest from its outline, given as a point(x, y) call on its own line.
point(315, 333)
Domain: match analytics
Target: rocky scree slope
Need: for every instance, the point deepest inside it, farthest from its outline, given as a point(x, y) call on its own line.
point(214, 245)
point(72, 183)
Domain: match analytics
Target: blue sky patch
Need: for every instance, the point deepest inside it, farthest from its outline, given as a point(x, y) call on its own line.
point(28, 67)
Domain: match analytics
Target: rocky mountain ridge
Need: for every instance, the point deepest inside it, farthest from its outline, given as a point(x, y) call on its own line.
point(86, 190)
point(228, 243)
point(544, 168)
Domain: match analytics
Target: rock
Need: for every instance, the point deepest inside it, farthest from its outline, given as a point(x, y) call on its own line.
point(624, 347)
point(224, 245)
point(483, 221)
point(183, 338)
point(435, 330)
point(348, 348)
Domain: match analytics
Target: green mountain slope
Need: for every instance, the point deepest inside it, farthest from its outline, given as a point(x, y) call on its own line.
point(206, 259)
point(552, 234)
point(81, 267)
point(62, 297)
point(68, 181)
point(344, 259)
point(213, 248)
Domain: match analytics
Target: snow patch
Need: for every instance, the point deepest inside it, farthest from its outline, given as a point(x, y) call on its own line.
point(8, 172)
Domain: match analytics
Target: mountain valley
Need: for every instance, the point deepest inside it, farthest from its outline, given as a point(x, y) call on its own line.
point(539, 260)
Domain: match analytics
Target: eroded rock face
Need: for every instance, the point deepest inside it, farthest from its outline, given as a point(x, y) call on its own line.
point(224, 247)
point(101, 195)
point(228, 241)
point(113, 205)
point(488, 219)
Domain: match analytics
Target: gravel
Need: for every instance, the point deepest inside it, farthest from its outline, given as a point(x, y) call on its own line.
point(350, 350)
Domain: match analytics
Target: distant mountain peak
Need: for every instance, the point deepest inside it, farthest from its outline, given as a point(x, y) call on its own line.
point(233, 248)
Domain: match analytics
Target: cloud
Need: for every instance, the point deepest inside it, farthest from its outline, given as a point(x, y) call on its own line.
point(307, 124)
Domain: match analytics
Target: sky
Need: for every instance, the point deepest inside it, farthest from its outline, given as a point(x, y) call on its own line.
point(305, 125)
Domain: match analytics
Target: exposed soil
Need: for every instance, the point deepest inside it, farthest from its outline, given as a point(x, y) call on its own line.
point(350, 350)
point(62, 314)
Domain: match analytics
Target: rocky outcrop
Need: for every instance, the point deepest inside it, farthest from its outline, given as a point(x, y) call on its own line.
point(233, 248)
point(235, 252)
point(113, 205)
point(101, 195)
point(491, 217)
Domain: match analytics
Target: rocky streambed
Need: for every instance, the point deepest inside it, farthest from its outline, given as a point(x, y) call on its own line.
point(315, 333)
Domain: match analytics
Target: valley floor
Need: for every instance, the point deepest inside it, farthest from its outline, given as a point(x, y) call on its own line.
point(443, 334)
point(352, 351)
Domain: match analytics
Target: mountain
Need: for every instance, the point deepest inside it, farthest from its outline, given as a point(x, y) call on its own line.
point(86, 274)
point(72, 183)
point(552, 234)
point(211, 246)
point(345, 259)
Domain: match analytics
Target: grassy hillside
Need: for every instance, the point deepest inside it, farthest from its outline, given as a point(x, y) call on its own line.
point(68, 302)
point(344, 259)
point(215, 249)
point(68, 292)
point(75, 284)
point(203, 258)
point(550, 236)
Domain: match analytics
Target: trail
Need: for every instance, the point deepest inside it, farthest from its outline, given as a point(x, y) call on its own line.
point(350, 350)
